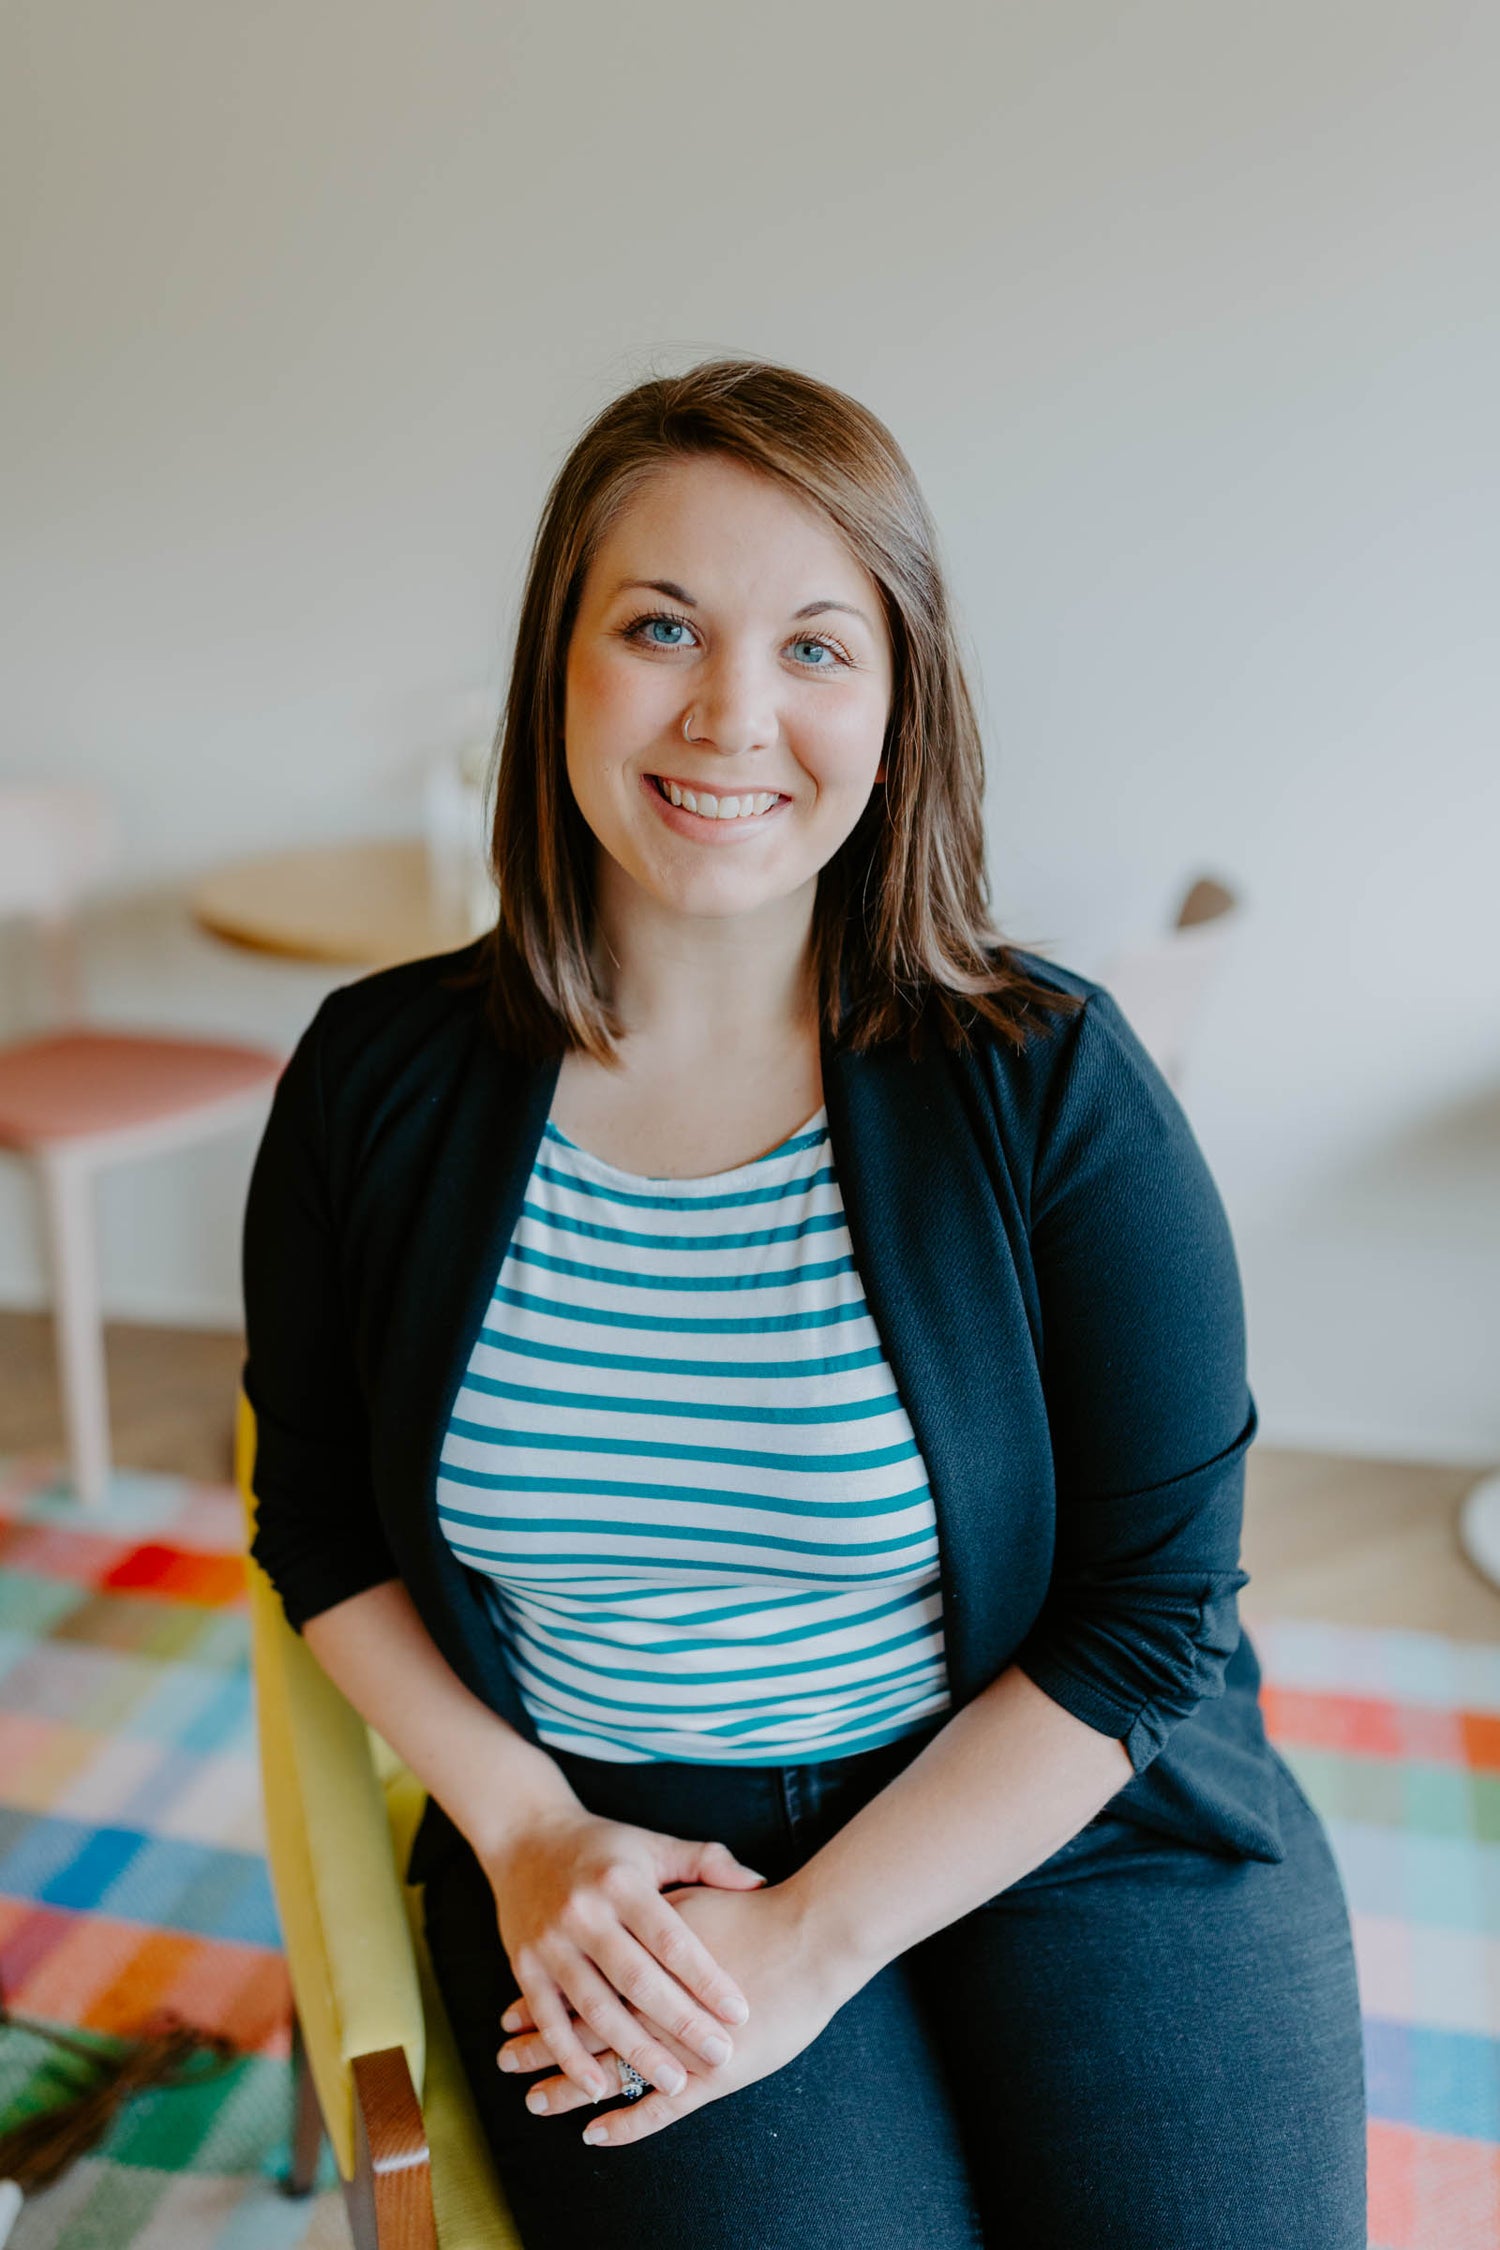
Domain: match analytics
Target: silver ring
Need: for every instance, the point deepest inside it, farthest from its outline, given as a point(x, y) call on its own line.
point(632, 2084)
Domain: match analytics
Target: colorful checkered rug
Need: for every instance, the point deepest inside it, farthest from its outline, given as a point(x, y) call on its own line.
point(1395, 1736)
point(131, 1875)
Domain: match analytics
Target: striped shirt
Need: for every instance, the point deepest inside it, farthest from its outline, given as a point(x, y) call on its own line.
point(679, 1459)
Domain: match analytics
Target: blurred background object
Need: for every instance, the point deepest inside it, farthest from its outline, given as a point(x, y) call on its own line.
point(457, 834)
point(374, 901)
point(1165, 983)
point(366, 904)
point(79, 1098)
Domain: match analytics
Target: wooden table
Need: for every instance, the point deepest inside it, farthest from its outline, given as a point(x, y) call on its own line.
point(367, 904)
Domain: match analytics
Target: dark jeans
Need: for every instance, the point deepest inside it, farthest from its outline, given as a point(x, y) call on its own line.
point(1140, 2043)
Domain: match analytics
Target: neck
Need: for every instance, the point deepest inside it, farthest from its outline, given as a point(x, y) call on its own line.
point(702, 985)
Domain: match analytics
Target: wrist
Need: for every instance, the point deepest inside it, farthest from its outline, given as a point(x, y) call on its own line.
point(523, 1784)
point(836, 1958)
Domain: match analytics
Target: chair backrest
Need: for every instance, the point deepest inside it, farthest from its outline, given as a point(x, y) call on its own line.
point(55, 842)
point(1163, 983)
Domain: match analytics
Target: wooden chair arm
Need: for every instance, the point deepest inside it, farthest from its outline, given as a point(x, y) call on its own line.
point(390, 2196)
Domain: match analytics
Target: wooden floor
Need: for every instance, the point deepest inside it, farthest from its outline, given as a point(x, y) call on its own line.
point(1362, 1542)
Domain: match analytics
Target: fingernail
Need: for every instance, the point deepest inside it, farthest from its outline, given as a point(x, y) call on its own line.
point(717, 2050)
point(598, 2084)
point(506, 2059)
point(671, 2078)
point(736, 2010)
point(595, 2135)
point(537, 2100)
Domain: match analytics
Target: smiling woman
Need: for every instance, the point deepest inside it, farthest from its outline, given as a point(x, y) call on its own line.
point(749, 1375)
point(800, 642)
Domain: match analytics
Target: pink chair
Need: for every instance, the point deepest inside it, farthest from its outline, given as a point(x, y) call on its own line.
point(78, 1097)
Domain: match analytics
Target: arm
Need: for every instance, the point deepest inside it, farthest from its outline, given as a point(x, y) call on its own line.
point(578, 1899)
point(486, 1776)
point(1004, 1785)
point(1150, 1417)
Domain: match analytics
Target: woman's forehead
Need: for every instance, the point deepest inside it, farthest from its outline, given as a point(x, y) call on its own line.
point(699, 529)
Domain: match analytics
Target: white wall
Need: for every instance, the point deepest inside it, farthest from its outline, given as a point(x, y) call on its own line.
point(1187, 316)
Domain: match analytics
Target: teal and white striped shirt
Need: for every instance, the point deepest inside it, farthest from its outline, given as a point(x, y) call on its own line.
point(680, 1460)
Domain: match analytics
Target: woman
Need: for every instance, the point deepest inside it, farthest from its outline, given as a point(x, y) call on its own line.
point(749, 1374)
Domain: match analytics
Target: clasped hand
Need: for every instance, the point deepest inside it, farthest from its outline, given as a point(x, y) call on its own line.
point(724, 1941)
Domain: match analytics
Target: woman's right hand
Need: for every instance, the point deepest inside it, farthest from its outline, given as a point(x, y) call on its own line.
point(584, 1925)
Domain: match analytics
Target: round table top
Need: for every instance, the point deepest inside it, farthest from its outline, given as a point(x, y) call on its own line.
point(369, 903)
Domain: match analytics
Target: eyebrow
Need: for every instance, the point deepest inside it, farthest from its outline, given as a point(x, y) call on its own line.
point(676, 593)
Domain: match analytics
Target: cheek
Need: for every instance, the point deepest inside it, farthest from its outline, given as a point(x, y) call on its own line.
point(610, 698)
point(843, 747)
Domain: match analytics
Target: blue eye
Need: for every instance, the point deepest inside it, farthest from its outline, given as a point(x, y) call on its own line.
point(643, 630)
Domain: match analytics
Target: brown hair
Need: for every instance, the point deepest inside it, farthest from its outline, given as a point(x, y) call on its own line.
point(900, 929)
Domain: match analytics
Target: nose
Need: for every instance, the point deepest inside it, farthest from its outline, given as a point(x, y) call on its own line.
point(732, 708)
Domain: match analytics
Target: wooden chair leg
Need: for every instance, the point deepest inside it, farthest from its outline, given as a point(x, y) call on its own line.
point(307, 2121)
point(390, 2195)
point(67, 1190)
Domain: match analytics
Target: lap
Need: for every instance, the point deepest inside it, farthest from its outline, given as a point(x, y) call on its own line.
point(1157, 2047)
point(853, 2145)
point(1141, 2046)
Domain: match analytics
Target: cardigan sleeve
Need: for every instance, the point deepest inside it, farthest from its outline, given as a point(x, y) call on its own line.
point(318, 1533)
point(1143, 1369)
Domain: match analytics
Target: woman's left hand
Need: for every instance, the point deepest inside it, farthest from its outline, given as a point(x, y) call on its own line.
point(762, 1939)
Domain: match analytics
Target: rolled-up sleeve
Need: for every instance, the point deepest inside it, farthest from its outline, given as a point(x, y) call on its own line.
point(1143, 1348)
point(318, 1533)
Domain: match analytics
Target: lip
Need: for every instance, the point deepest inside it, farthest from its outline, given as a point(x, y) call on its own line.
point(700, 826)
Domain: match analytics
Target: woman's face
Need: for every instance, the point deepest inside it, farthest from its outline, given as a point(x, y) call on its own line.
point(719, 607)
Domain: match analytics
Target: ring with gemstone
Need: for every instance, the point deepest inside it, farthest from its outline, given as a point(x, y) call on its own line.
point(632, 2084)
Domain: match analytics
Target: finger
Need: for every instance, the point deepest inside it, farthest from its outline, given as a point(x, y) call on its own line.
point(718, 1865)
point(549, 2007)
point(554, 2097)
point(528, 2050)
point(618, 2127)
point(599, 2004)
point(695, 1859)
point(670, 1945)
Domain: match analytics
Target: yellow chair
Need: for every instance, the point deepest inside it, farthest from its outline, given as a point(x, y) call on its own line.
point(341, 1811)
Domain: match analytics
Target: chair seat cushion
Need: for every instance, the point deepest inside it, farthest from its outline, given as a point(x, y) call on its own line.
point(71, 1085)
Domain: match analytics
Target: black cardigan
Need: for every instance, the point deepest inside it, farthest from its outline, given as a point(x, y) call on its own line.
point(1047, 1262)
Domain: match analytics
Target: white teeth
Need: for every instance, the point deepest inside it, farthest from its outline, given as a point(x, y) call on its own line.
point(721, 808)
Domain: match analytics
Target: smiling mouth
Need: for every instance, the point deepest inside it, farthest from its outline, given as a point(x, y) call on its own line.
point(751, 804)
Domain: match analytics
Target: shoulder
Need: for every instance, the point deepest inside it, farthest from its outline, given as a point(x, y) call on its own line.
point(1089, 1033)
point(433, 989)
point(1083, 1087)
point(405, 1028)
